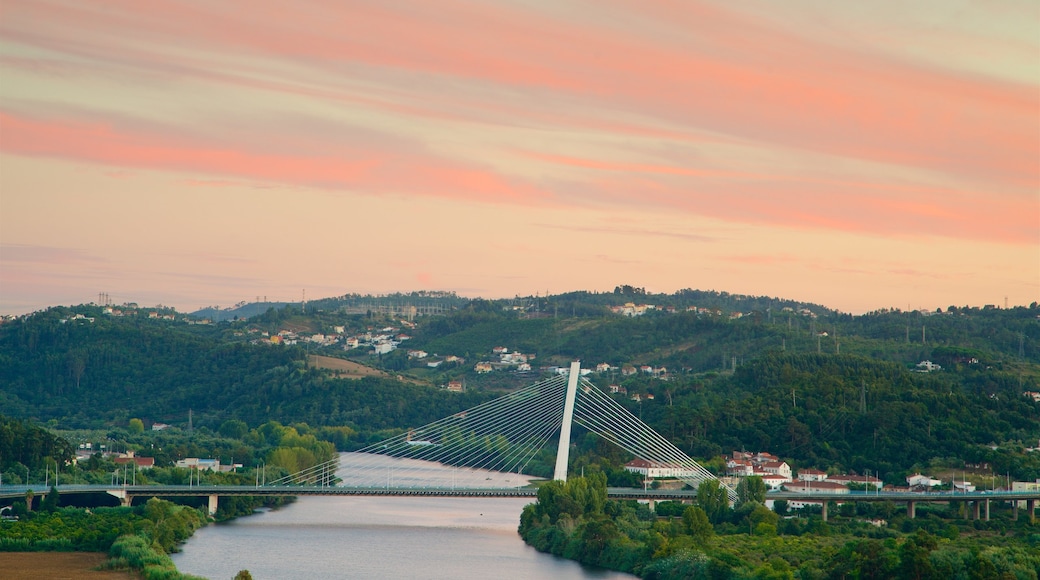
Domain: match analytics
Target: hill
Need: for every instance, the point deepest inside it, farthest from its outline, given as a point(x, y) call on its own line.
point(817, 386)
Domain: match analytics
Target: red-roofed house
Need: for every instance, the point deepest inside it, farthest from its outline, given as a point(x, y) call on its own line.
point(777, 468)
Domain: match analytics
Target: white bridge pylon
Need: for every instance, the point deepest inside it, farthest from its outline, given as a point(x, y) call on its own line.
point(492, 445)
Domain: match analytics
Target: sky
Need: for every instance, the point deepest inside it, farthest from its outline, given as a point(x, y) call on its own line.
point(859, 155)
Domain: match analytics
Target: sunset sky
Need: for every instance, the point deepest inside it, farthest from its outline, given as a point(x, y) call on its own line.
point(860, 155)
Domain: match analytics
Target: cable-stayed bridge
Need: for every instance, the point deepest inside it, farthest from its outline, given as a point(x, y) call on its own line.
point(493, 444)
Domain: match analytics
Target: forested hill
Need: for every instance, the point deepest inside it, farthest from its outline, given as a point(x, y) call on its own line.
point(816, 386)
point(101, 370)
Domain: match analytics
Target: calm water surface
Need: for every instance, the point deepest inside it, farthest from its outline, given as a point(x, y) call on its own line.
point(378, 538)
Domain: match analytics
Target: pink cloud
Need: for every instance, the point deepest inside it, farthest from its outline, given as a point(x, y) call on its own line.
point(366, 169)
point(694, 65)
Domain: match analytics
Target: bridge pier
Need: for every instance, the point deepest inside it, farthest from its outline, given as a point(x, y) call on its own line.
point(1014, 511)
point(1031, 508)
point(124, 498)
point(213, 504)
point(911, 509)
point(976, 511)
point(824, 511)
point(987, 510)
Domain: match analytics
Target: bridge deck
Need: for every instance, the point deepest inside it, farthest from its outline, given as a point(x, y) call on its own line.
point(16, 491)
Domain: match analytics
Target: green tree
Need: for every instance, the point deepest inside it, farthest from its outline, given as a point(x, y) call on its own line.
point(136, 425)
point(234, 429)
point(52, 500)
point(697, 524)
point(243, 575)
point(752, 489)
point(712, 498)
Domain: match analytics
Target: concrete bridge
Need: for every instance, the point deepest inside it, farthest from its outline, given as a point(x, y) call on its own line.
point(979, 502)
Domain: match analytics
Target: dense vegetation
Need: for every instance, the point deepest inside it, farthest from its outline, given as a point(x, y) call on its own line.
point(712, 540)
point(138, 538)
point(103, 373)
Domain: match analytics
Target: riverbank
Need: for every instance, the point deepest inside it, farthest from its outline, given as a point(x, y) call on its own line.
point(59, 566)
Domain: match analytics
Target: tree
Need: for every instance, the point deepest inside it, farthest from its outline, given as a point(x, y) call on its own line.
point(243, 575)
point(697, 524)
point(51, 500)
point(136, 425)
point(752, 489)
point(234, 429)
point(712, 498)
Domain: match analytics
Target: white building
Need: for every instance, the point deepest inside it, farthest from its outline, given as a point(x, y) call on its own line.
point(927, 366)
point(918, 480)
point(811, 475)
point(655, 470)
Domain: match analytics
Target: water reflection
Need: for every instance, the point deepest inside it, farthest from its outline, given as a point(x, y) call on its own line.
point(370, 470)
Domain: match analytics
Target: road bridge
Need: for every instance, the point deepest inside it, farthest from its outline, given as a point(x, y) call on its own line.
point(979, 501)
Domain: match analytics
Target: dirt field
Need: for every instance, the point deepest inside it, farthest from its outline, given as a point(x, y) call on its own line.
point(344, 369)
point(57, 566)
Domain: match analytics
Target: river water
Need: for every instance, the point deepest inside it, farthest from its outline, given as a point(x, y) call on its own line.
point(429, 538)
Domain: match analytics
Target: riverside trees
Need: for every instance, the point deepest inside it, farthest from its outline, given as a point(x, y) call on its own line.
point(576, 521)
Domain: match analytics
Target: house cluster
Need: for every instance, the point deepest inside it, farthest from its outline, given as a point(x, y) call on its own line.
point(632, 309)
point(1032, 395)
point(382, 341)
point(777, 474)
point(631, 370)
point(159, 313)
point(514, 360)
point(801, 311)
point(88, 450)
point(774, 472)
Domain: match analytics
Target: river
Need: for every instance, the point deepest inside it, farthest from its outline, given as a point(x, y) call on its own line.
point(377, 538)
